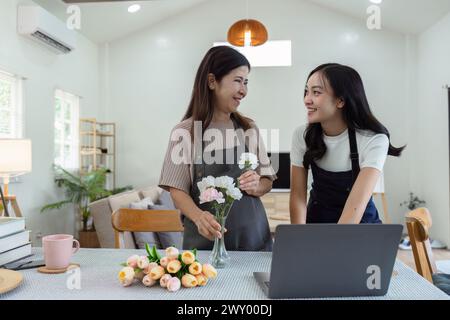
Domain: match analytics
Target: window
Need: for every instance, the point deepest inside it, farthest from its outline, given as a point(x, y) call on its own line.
point(275, 53)
point(66, 129)
point(11, 118)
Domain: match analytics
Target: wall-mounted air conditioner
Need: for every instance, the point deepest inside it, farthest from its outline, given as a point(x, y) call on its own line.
point(38, 24)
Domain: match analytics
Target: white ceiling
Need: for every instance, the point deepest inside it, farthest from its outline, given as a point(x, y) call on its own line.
point(405, 16)
point(104, 22)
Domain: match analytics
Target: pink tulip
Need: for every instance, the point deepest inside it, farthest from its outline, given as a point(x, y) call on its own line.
point(148, 281)
point(209, 271)
point(172, 253)
point(133, 261)
point(126, 276)
point(164, 262)
point(174, 266)
point(142, 262)
point(157, 272)
point(195, 268)
point(187, 257)
point(201, 279)
point(150, 266)
point(173, 284)
point(164, 279)
point(189, 281)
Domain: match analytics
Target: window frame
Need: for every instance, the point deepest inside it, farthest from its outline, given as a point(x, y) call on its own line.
point(71, 101)
point(16, 121)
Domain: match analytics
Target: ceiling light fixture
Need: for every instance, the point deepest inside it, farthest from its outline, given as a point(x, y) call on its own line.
point(247, 32)
point(134, 8)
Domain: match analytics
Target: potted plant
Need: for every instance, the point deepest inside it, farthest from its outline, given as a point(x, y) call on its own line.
point(80, 190)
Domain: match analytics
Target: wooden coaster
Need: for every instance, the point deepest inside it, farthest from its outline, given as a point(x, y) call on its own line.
point(44, 269)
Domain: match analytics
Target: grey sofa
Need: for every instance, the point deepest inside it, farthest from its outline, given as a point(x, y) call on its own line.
point(102, 210)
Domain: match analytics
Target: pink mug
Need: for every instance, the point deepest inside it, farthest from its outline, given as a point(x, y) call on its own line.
point(58, 249)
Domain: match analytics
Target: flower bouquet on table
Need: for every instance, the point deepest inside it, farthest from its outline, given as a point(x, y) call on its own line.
point(222, 193)
point(172, 271)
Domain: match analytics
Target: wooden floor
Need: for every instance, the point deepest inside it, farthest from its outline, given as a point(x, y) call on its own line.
point(406, 256)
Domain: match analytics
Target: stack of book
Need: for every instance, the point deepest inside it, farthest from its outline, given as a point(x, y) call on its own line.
point(14, 240)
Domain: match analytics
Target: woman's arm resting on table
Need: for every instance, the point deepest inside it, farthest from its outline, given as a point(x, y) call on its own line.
point(359, 196)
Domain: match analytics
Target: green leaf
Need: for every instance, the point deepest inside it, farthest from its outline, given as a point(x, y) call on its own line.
point(154, 253)
point(147, 248)
point(124, 264)
point(194, 251)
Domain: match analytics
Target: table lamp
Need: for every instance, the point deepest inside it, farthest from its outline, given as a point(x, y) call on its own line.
point(15, 160)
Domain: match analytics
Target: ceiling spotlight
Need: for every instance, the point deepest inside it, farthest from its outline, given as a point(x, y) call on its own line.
point(134, 8)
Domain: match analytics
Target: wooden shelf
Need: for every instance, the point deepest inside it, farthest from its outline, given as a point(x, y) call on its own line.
point(87, 133)
point(91, 157)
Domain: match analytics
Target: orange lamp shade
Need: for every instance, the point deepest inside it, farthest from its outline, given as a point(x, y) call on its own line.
point(255, 30)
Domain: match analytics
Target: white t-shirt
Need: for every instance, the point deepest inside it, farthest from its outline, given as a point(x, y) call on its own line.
point(372, 150)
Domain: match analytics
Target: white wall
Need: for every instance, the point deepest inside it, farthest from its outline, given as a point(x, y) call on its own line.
point(44, 70)
point(151, 75)
point(431, 163)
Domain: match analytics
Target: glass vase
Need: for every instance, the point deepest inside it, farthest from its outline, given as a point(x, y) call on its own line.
point(219, 257)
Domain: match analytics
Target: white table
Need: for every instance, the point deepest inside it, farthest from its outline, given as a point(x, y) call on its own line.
point(100, 267)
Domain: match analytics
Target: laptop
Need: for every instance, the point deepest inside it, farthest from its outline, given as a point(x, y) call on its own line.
point(331, 260)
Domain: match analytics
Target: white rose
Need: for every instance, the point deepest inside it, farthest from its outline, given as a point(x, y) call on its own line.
point(206, 183)
point(224, 182)
point(235, 193)
point(250, 158)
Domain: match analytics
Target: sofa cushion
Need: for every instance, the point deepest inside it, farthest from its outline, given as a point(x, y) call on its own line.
point(150, 192)
point(101, 215)
point(165, 199)
point(123, 200)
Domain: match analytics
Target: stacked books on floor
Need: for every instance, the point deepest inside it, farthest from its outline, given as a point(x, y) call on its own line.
point(14, 240)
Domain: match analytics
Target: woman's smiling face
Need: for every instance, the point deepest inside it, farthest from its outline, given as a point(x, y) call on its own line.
point(320, 101)
point(231, 89)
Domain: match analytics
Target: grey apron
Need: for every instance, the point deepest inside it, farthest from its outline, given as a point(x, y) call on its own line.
point(246, 224)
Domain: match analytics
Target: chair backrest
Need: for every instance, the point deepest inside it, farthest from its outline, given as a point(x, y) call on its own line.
point(136, 220)
point(418, 223)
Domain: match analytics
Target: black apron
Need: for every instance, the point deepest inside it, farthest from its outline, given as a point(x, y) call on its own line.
point(330, 191)
point(247, 225)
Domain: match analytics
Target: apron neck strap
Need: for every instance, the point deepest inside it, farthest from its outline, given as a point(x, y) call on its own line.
point(354, 156)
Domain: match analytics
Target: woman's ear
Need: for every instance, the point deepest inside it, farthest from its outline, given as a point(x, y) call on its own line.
point(340, 103)
point(211, 81)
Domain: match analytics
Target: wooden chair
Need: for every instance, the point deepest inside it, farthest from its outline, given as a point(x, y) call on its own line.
point(136, 220)
point(418, 222)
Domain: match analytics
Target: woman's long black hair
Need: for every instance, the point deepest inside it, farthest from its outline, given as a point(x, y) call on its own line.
point(348, 86)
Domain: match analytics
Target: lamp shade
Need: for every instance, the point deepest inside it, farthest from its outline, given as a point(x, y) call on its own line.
point(254, 30)
point(15, 157)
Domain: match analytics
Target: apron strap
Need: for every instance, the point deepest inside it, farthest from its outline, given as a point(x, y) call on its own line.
point(354, 156)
